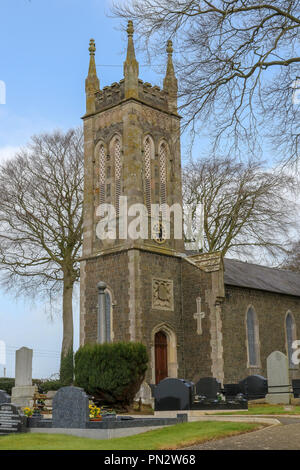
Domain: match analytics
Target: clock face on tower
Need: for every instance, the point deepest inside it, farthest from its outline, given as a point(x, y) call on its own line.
point(159, 232)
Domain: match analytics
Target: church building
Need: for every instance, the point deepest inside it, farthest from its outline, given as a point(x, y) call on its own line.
point(199, 315)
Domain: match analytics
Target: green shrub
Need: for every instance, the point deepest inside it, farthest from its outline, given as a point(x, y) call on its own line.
point(38, 383)
point(52, 385)
point(7, 384)
point(111, 372)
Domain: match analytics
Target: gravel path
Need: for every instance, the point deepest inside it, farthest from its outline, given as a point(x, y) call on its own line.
point(282, 437)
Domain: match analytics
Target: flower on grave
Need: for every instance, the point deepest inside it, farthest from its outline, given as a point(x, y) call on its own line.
point(107, 411)
point(95, 411)
point(28, 411)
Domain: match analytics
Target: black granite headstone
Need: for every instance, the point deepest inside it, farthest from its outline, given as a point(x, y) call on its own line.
point(12, 419)
point(173, 394)
point(231, 390)
point(296, 388)
point(70, 408)
point(254, 387)
point(208, 387)
point(4, 397)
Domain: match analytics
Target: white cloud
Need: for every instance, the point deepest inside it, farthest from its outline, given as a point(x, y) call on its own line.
point(8, 152)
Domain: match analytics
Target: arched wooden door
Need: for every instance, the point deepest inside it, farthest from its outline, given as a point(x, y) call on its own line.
point(161, 356)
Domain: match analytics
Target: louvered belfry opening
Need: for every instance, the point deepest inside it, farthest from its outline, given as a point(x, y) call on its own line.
point(147, 159)
point(102, 174)
point(118, 172)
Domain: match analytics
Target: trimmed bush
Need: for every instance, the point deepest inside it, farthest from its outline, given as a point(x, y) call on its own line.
point(111, 372)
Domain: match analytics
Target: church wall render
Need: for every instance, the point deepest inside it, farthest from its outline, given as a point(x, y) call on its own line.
point(198, 361)
point(271, 309)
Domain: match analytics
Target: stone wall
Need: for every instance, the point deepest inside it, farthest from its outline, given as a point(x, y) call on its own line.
point(113, 270)
point(154, 266)
point(132, 277)
point(195, 283)
point(271, 309)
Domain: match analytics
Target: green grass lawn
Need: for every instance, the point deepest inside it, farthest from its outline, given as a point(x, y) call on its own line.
point(171, 437)
point(266, 409)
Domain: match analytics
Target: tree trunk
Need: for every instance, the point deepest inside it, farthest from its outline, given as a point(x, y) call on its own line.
point(66, 365)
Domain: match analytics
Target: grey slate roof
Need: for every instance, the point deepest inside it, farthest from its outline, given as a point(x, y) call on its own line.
point(239, 273)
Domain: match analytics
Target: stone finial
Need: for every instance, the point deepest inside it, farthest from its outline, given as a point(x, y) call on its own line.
point(170, 81)
point(130, 29)
point(169, 47)
point(131, 66)
point(92, 48)
point(101, 286)
point(92, 84)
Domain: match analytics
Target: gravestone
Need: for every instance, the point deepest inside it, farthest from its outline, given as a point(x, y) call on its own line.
point(173, 394)
point(254, 387)
point(231, 390)
point(23, 391)
point(296, 388)
point(12, 419)
point(70, 408)
point(4, 397)
point(278, 379)
point(49, 398)
point(208, 387)
point(145, 394)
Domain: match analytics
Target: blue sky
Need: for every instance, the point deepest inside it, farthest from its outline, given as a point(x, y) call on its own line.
point(44, 62)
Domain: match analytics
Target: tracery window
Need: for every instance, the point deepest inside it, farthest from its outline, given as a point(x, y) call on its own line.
point(252, 338)
point(148, 154)
point(290, 329)
point(102, 176)
point(118, 171)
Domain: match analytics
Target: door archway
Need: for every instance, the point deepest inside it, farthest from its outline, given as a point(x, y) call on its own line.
point(161, 356)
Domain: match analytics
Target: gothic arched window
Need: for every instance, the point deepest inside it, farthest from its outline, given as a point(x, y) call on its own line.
point(118, 171)
point(102, 173)
point(252, 338)
point(290, 330)
point(148, 156)
point(163, 172)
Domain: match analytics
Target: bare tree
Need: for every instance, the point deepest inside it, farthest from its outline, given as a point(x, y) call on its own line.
point(292, 261)
point(247, 210)
point(238, 65)
point(41, 193)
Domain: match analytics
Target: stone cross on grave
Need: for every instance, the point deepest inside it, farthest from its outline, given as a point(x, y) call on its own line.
point(199, 316)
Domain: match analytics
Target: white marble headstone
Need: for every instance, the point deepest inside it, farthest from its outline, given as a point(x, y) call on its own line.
point(278, 378)
point(23, 367)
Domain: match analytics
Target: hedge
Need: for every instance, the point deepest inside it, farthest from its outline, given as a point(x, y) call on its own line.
point(7, 384)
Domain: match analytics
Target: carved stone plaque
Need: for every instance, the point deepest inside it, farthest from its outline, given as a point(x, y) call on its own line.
point(162, 294)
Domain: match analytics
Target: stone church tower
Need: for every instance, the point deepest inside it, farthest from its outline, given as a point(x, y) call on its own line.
point(142, 288)
point(137, 283)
